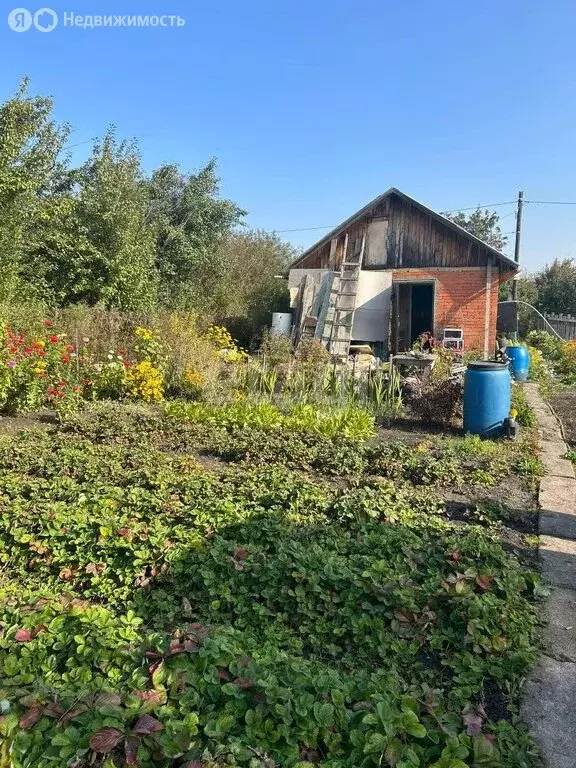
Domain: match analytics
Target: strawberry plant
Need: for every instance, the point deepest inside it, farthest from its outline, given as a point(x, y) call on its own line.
point(160, 611)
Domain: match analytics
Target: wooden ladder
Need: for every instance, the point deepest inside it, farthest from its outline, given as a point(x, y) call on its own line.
point(340, 319)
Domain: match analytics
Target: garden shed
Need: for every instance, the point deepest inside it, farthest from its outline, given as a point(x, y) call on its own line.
point(393, 270)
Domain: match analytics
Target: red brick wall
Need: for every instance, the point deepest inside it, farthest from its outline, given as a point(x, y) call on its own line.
point(460, 301)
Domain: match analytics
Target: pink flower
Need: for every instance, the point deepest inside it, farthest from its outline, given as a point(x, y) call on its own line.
point(12, 364)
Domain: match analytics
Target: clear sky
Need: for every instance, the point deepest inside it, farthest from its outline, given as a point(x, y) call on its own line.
point(314, 107)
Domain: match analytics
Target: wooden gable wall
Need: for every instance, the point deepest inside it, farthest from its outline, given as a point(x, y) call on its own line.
point(414, 239)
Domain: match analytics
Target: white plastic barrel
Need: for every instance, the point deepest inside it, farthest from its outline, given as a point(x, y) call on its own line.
point(282, 323)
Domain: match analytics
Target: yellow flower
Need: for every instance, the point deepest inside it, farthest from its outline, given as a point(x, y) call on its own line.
point(143, 333)
point(145, 381)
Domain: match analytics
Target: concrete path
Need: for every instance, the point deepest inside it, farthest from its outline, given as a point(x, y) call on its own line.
point(549, 705)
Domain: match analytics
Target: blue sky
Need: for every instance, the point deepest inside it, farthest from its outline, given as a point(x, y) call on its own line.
point(315, 107)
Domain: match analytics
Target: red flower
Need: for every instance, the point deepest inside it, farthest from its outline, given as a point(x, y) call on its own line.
point(70, 347)
point(62, 384)
point(122, 351)
point(53, 339)
point(41, 373)
point(65, 359)
point(47, 324)
point(41, 352)
point(87, 382)
point(28, 351)
point(76, 388)
point(127, 363)
point(51, 392)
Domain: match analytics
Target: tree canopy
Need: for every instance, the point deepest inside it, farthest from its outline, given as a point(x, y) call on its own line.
point(483, 224)
point(108, 233)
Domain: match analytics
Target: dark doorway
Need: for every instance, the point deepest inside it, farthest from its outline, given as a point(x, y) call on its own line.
point(413, 313)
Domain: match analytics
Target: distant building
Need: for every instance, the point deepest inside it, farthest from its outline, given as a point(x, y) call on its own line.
point(393, 270)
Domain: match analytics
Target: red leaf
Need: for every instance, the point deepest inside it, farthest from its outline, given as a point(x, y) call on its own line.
point(174, 648)
point(484, 581)
point(105, 740)
point(241, 553)
point(31, 717)
point(23, 636)
point(243, 682)
point(53, 709)
point(131, 745)
point(223, 673)
point(147, 724)
point(473, 723)
point(71, 714)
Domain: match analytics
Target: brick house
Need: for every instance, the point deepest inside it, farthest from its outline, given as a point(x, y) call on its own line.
point(392, 271)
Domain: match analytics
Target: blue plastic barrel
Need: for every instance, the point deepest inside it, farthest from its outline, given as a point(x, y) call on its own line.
point(487, 391)
point(519, 362)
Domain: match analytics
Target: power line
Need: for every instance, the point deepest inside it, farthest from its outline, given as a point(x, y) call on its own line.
point(476, 207)
point(306, 229)
point(551, 202)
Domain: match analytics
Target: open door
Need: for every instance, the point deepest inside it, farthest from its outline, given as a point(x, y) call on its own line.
point(412, 313)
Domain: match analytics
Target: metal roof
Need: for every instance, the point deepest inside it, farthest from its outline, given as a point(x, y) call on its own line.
point(510, 263)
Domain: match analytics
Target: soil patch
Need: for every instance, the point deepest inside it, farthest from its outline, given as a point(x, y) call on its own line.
point(42, 420)
point(564, 404)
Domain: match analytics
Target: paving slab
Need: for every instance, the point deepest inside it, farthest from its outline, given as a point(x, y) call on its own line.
point(558, 558)
point(559, 635)
point(555, 465)
point(557, 500)
point(549, 433)
point(558, 493)
point(557, 524)
point(549, 707)
point(549, 703)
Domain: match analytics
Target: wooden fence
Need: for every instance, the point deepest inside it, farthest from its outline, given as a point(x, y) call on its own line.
point(564, 325)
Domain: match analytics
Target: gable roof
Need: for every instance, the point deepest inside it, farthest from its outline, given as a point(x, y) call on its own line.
point(505, 260)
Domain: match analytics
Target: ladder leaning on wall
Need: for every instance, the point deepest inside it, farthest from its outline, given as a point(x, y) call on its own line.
point(337, 332)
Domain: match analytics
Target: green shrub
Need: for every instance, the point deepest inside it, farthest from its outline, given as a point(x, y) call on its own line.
point(347, 422)
point(524, 413)
point(549, 345)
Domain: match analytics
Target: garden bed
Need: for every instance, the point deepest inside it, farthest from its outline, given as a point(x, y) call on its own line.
point(209, 593)
point(564, 404)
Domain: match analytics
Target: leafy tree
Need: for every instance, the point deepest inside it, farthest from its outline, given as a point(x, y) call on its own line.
point(556, 286)
point(31, 174)
point(117, 263)
point(252, 288)
point(190, 221)
point(482, 224)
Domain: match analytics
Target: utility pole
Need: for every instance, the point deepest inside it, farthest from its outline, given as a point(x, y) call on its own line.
point(517, 242)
